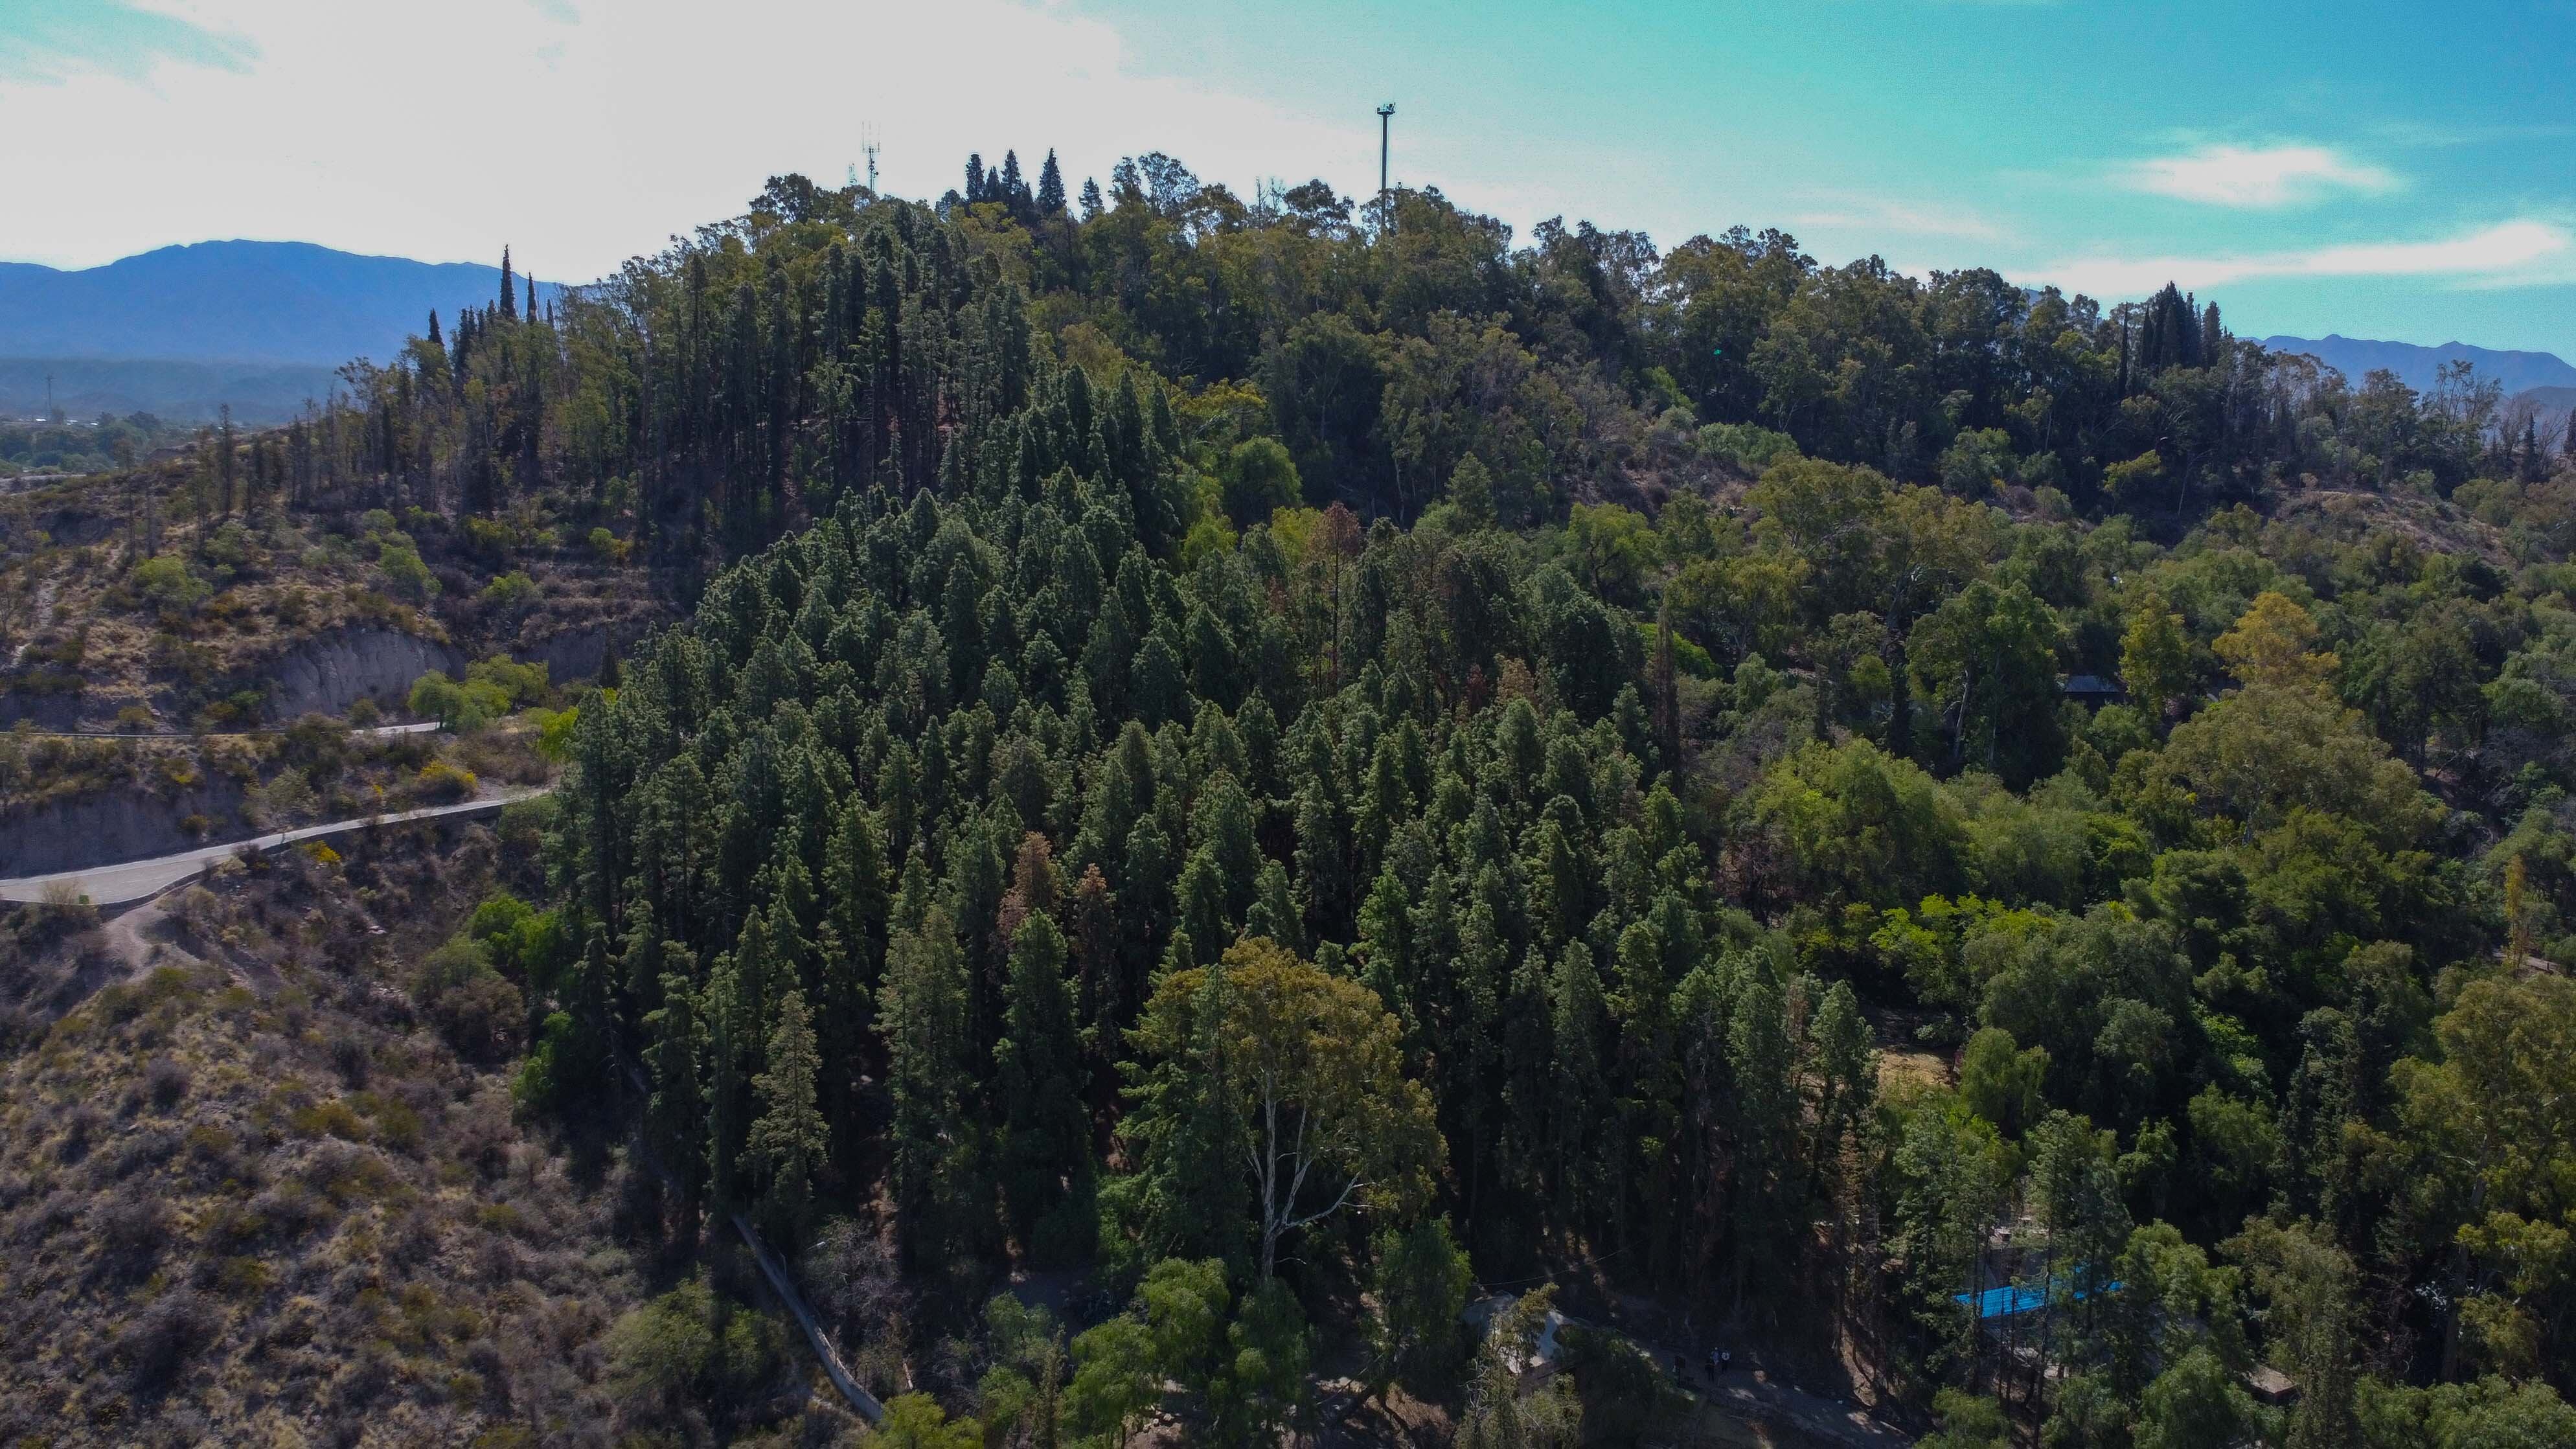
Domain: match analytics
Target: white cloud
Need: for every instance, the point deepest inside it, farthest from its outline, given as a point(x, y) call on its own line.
point(2513, 253)
point(443, 131)
point(2258, 177)
point(1879, 214)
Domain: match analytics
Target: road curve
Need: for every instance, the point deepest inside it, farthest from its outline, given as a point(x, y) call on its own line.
point(133, 880)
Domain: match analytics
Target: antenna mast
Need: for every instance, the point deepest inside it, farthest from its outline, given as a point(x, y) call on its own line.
point(868, 146)
point(1385, 114)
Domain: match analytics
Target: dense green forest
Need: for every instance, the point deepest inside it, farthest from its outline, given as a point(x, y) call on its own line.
point(1271, 753)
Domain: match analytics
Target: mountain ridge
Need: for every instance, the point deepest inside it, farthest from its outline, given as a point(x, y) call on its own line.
point(234, 302)
point(182, 331)
point(2416, 365)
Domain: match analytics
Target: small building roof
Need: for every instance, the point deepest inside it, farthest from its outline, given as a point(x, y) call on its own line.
point(2271, 1386)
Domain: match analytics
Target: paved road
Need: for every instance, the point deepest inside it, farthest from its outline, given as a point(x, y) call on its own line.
point(365, 732)
point(134, 880)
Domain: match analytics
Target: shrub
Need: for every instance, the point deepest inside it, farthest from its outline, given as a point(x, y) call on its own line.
point(335, 1118)
point(459, 707)
point(659, 1353)
point(161, 1340)
point(442, 783)
point(518, 684)
point(351, 1059)
point(164, 583)
point(480, 1018)
point(511, 592)
point(244, 1277)
point(490, 537)
point(555, 735)
point(406, 577)
point(286, 800)
point(167, 1081)
point(541, 1076)
point(131, 1230)
point(397, 1125)
point(1744, 447)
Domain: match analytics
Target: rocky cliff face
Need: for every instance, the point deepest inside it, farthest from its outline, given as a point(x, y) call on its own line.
point(119, 825)
point(328, 674)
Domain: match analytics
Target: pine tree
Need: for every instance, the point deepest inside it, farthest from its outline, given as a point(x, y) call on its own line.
point(509, 288)
point(434, 339)
point(935, 1140)
point(789, 1144)
point(1091, 203)
point(974, 177)
point(1050, 187)
point(1009, 189)
point(1037, 1077)
point(733, 1014)
point(531, 313)
point(676, 1114)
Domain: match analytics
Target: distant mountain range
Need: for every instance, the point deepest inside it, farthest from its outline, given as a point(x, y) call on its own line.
point(2356, 358)
point(183, 330)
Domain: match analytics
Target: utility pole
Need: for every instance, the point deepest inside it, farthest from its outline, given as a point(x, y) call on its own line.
point(1385, 115)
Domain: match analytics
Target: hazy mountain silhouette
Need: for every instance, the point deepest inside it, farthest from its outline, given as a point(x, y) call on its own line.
point(184, 329)
point(2357, 358)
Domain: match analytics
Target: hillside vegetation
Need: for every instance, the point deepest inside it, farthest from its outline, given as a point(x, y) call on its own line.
point(1238, 766)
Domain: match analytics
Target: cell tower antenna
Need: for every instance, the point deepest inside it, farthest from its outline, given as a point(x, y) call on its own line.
point(868, 147)
point(1385, 115)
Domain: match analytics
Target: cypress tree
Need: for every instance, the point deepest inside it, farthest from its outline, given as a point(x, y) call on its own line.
point(509, 291)
point(434, 339)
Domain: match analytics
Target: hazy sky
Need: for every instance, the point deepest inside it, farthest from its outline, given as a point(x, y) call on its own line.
point(2388, 170)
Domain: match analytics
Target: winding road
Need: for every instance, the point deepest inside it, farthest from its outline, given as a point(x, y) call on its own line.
point(134, 880)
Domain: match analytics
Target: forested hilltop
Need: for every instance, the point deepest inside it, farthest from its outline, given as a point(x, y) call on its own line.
point(1269, 761)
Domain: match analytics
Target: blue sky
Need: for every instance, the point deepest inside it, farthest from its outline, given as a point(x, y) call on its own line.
point(2402, 171)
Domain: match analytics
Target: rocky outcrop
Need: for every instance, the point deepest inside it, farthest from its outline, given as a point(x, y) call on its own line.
point(328, 674)
point(119, 825)
point(576, 653)
point(46, 711)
